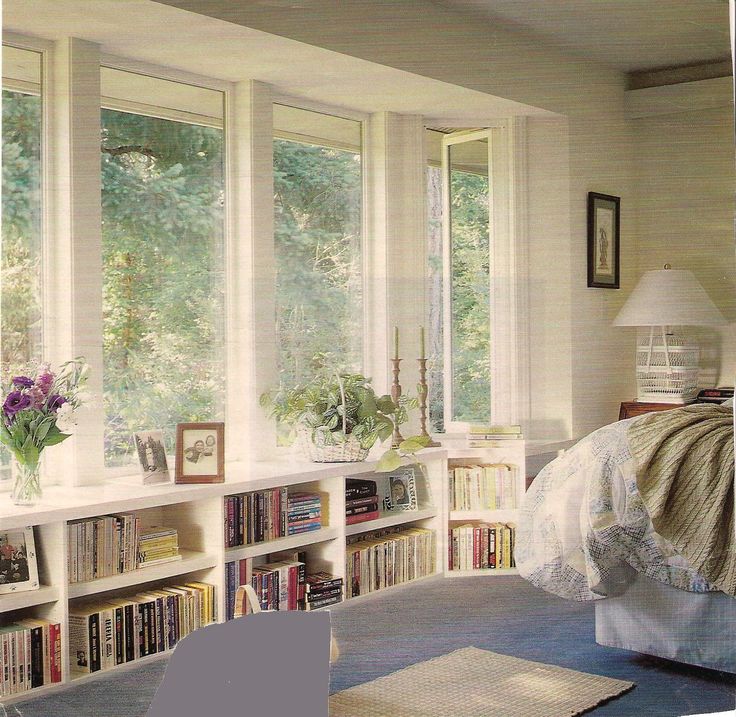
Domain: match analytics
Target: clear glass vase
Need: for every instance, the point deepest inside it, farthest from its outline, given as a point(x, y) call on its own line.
point(26, 483)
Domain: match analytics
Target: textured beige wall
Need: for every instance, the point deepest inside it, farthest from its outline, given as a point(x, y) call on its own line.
point(685, 210)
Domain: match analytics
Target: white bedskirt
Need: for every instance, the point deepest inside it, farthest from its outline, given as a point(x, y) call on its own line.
point(656, 619)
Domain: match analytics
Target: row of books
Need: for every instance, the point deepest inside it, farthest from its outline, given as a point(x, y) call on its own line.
point(483, 487)
point(481, 436)
point(361, 500)
point(103, 546)
point(389, 557)
point(103, 634)
point(158, 545)
point(282, 584)
point(30, 656)
point(481, 546)
point(269, 514)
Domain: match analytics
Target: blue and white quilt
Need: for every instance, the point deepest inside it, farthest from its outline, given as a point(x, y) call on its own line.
point(583, 525)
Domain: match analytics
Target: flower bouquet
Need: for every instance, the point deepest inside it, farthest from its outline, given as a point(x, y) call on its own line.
point(36, 413)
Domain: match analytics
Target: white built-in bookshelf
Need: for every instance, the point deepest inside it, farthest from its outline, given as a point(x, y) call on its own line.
point(198, 512)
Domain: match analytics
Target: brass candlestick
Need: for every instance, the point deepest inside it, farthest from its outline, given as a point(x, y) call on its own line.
point(396, 395)
point(423, 390)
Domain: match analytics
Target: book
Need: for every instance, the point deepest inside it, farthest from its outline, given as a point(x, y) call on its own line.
point(362, 517)
point(499, 429)
point(359, 488)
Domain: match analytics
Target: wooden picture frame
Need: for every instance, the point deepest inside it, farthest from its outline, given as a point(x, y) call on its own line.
point(18, 563)
point(200, 453)
point(604, 212)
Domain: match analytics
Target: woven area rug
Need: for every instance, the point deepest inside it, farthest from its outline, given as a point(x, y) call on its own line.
point(477, 683)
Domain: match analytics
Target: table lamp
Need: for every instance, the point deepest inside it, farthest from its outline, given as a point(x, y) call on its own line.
point(667, 362)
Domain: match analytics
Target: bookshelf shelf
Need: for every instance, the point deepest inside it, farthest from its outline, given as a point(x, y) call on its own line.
point(190, 562)
point(491, 516)
point(77, 677)
point(274, 546)
point(480, 571)
point(31, 694)
point(29, 598)
point(388, 520)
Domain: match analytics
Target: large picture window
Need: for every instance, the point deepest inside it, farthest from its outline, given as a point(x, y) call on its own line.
point(163, 257)
point(22, 239)
point(318, 241)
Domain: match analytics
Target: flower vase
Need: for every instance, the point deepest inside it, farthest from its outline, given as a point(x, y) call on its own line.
point(26, 483)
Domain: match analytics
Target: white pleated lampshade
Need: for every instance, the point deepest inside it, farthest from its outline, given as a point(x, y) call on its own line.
point(669, 297)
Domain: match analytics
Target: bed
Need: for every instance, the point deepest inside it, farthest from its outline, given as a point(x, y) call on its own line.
point(585, 533)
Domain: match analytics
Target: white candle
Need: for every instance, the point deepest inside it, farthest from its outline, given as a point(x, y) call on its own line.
point(421, 343)
point(396, 342)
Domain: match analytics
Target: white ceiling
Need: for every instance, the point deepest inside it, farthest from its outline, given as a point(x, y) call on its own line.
point(629, 35)
point(161, 35)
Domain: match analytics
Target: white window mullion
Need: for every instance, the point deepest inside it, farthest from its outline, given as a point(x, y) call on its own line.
point(74, 248)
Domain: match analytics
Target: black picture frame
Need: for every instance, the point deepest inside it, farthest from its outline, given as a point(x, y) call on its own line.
point(604, 240)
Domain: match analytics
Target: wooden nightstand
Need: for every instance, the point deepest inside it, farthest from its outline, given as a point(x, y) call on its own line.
point(629, 409)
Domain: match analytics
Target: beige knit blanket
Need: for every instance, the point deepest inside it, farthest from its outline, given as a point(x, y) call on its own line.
point(685, 475)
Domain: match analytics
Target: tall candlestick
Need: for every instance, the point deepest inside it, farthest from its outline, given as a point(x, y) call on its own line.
point(397, 438)
point(421, 342)
point(396, 342)
point(423, 390)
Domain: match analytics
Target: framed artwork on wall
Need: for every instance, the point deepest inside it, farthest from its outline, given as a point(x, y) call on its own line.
point(603, 240)
point(200, 453)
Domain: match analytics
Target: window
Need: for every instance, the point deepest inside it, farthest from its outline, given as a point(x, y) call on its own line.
point(318, 243)
point(22, 240)
point(470, 316)
point(435, 333)
point(163, 257)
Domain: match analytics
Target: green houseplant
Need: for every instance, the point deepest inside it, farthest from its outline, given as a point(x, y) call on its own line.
point(338, 417)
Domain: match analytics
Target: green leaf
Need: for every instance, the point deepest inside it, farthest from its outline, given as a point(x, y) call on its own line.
point(390, 461)
point(413, 444)
point(52, 440)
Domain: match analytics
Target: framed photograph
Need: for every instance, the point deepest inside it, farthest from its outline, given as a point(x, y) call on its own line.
point(152, 456)
point(200, 453)
point(18, 565)
point(401, 494)
point(603, 240)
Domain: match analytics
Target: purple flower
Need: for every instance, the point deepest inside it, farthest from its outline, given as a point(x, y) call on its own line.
point(16, 401)
point(37, 396)
point(22, 381)
point(44, 381)
point(56, 402)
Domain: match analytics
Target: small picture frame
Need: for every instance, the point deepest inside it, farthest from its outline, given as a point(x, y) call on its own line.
point(401, 493)
point(604, 234)
point(200, 453)
point(18, 564)
point(149, 446)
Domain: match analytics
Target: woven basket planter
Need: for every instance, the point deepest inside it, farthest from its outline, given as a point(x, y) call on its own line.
point(350, 451)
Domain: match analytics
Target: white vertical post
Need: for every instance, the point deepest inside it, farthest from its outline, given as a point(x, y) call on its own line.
point(74, 250)
point(252, 351)
point(396, 258)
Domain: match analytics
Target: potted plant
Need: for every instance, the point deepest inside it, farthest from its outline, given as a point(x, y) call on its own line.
point(338, 417)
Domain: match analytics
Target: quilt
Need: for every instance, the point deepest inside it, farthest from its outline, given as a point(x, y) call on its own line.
point(583, 525)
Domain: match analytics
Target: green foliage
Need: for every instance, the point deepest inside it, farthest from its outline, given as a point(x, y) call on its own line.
point(470, 297)
point(163, 301)
point(317, 234)
point(337, 405)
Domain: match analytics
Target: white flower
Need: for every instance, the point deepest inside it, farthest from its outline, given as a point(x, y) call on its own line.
point(84, 397)
point(65, 418)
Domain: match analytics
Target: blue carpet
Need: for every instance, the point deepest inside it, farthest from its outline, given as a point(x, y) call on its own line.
point(385, 632)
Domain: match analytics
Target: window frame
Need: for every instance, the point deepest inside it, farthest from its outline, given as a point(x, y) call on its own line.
point(508, 356)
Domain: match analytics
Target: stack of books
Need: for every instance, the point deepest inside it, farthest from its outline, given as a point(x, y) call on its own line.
point(103, 634)
point(322, 590)
point(361, 500)
point(483, 487)
point(158, 545)
point(483, 436)
point(715, 395)
point(304, 513)
point(30, 656)
point(388, 557)
point(103, 546)
point(255, 517)
point(481, 546)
